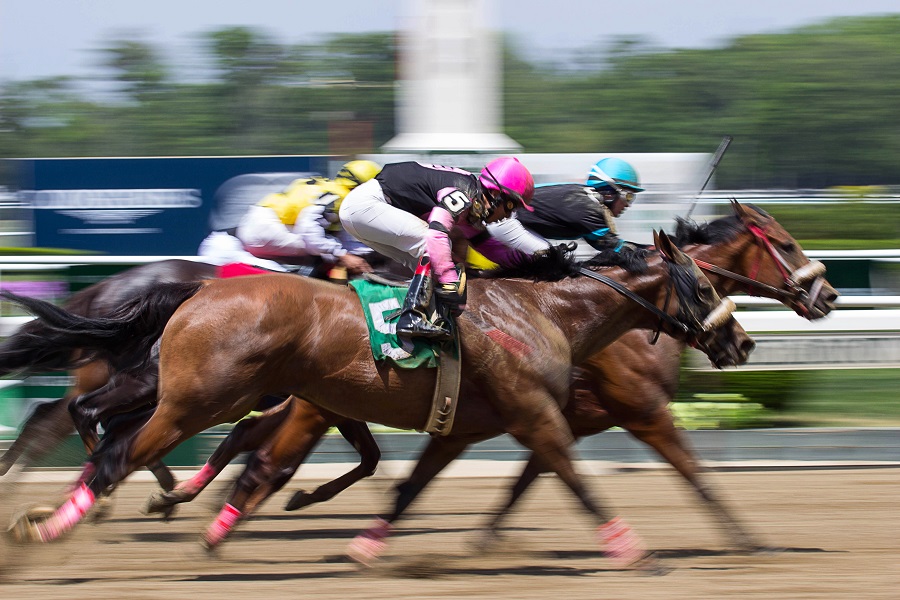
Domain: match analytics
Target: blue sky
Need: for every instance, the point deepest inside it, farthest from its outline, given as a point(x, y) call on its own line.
point(42, 38)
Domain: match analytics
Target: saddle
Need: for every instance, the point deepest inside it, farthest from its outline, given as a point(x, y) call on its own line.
point(381, 297)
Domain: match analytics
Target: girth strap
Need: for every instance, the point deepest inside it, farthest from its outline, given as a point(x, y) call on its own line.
point(446, 388)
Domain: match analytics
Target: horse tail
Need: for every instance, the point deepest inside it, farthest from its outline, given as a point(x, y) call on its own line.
point(26, 350)
point(124, 337)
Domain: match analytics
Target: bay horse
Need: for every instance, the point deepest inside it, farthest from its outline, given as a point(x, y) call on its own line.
point(628, 384)
point(228, 342)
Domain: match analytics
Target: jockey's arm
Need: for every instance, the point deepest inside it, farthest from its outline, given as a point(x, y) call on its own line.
point(263, 234)
point(513, 234)
point(437, 244)
point(505, 242)
point(311, 224)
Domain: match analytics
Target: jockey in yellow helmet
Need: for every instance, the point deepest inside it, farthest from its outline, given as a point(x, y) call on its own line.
point(302, 220)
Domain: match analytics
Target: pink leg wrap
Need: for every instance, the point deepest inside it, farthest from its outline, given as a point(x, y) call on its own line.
point(199, 481)
point(622, 545)
point(370, 544)
point(67, 515)
point(223, 525)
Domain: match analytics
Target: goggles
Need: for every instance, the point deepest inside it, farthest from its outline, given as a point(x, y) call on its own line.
point(612, 194)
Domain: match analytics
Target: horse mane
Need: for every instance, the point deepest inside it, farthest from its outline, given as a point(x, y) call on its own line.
point(721, 230)
point(558, 262)
point(629, 257)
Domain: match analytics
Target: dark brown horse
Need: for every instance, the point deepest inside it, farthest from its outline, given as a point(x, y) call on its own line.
point(98, 395)
point(236, 340)
point(628, 384)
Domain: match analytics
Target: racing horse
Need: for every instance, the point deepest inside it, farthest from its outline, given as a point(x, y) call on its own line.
point(628, 384)
point(215, 362)
point(631, 382)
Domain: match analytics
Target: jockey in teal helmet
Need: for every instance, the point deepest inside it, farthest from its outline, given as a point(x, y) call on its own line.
point(617, 181)
point(574, 210)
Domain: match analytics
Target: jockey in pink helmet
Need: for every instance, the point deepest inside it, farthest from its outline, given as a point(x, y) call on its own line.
point(407, 212)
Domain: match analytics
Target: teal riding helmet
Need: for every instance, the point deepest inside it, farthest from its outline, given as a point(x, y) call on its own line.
point(614, 170)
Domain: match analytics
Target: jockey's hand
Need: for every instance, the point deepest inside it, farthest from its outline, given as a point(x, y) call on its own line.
point(452, 295)
point(354, 264)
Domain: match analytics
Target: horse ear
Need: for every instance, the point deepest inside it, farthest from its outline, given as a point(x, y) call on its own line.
point(749, 217)
point(668, 249)
point(664, 245)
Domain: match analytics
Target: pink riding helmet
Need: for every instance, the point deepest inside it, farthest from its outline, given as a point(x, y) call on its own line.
point(511, 178)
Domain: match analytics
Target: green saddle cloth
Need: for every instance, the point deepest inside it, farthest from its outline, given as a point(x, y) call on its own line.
point(381, 305)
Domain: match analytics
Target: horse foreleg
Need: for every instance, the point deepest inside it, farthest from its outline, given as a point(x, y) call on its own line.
point(359, 436)
point(46, 427)
point(659, 433)
point(551, 440)
point(491, 531)
point(440, 452)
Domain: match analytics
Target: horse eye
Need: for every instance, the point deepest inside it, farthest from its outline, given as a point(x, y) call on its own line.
point(788, 247)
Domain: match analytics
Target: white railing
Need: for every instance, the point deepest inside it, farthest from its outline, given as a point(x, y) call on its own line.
point(853, 313)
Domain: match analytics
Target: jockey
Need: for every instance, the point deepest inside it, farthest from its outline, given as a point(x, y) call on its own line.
point(407, 212)
point(572, 210)
point(302, 221)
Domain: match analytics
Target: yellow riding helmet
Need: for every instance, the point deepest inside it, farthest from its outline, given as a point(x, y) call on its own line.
point(356, 172)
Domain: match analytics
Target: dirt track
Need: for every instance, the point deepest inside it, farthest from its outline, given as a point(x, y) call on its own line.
point(840, 531)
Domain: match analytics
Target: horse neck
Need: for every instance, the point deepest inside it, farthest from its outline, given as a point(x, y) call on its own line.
point(592, 315)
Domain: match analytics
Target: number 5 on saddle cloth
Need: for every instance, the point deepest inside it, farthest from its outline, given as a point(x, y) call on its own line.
point(381, 300)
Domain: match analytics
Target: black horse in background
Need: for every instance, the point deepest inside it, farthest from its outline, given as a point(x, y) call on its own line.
point(100, 391)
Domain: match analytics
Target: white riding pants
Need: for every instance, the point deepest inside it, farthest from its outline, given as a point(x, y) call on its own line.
point(366, 214)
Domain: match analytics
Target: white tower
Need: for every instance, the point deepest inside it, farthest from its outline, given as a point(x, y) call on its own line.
point(449, 94)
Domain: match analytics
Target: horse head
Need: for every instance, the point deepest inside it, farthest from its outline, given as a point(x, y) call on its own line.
point(705, 320)
point(780, 262)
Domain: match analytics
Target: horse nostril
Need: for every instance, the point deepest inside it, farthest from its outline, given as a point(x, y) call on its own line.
point(747, 346)
point(830, 297)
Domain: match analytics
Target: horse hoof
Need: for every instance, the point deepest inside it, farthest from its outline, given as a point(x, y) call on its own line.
point(23, 527)
point(209, 545)
point(365, 550)
point(102, 509)
point(299, 500)
point(163, 503)
point(651, 566)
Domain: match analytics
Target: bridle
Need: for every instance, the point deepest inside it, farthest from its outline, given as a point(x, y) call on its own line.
point(792, 293)
point(686, 322)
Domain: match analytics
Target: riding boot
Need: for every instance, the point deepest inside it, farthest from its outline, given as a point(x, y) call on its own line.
point(414, 321)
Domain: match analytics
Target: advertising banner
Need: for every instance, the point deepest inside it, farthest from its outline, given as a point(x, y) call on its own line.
point(147, 206)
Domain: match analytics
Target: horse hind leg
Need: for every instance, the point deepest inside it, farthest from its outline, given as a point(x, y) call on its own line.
point(44, 429)
point(271, 466)
point(551, 440)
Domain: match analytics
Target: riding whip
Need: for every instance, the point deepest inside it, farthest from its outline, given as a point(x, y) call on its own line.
point(717, 157)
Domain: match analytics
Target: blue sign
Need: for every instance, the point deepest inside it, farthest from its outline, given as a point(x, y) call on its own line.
point(148, 206)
